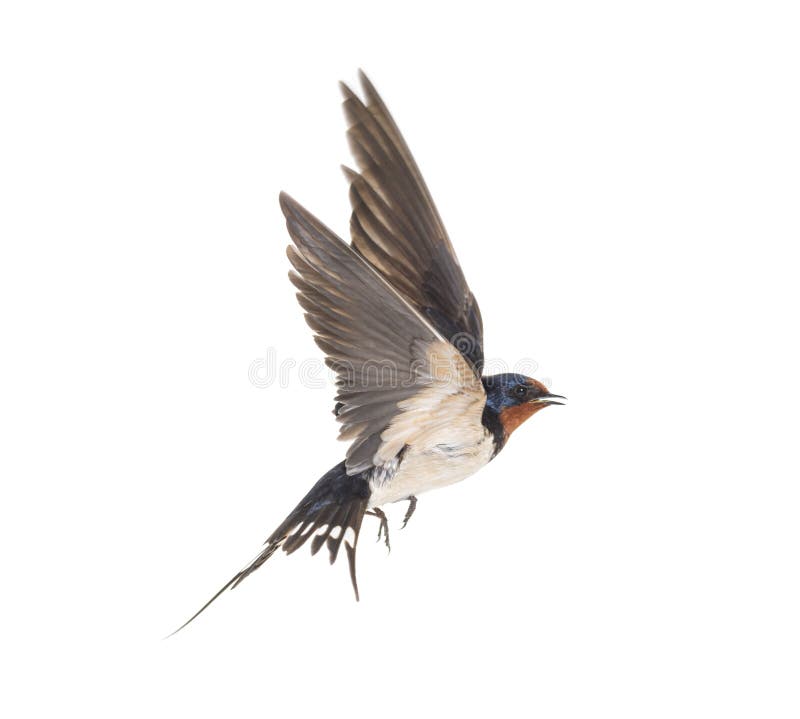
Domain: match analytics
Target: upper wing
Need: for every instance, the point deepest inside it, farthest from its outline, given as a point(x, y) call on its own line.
point(396, 227)
point(396, 374)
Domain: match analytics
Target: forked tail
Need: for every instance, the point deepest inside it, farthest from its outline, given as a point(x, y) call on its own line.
point(335, 504)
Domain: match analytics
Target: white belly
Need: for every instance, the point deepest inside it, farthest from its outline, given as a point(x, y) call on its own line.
point(424, 469)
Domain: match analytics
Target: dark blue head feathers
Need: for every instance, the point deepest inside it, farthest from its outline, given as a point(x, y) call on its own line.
point(509, 390)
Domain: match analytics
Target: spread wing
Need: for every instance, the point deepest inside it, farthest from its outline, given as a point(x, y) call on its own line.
point(395, 225)
point(398, 379)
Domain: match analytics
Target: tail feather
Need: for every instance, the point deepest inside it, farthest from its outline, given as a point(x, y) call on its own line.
point(335, 504)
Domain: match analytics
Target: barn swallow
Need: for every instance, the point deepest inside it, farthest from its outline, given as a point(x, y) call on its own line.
point(402, 331)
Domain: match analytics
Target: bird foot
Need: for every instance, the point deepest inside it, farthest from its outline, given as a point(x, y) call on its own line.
point(412, 505)
point(383, 528)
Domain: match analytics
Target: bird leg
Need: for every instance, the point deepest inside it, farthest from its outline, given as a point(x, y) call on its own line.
point(383, 529)
point(412, 505)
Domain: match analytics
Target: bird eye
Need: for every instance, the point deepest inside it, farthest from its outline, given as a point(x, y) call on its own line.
point(520, 390)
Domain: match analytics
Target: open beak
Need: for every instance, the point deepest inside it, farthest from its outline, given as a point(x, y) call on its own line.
point(548, 399)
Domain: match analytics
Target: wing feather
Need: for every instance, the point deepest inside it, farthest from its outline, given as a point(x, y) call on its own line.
point(396, 226)
point(390, 361)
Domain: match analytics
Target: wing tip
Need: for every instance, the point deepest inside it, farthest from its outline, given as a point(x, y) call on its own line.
point(349, 173)
point(346, 90)
point(366, 84)
point(364, 81)
point(287, 203)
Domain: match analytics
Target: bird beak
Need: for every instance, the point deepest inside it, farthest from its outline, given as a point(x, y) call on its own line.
point(548, 399)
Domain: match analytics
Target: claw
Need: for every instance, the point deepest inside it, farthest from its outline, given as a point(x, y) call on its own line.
point(383, 527)
point(412, 505)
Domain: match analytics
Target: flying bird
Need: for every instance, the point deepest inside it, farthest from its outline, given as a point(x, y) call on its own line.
point(402, 331)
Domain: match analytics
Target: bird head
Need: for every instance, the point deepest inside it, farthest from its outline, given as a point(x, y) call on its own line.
point(513, 398)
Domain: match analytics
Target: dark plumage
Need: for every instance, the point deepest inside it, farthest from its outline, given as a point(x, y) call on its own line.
point(394, 301)
point(396, 226)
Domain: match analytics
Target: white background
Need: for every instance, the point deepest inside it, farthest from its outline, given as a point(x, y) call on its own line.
point(621, 183)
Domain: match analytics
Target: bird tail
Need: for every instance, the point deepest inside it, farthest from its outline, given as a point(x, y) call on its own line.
point(335, 505)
